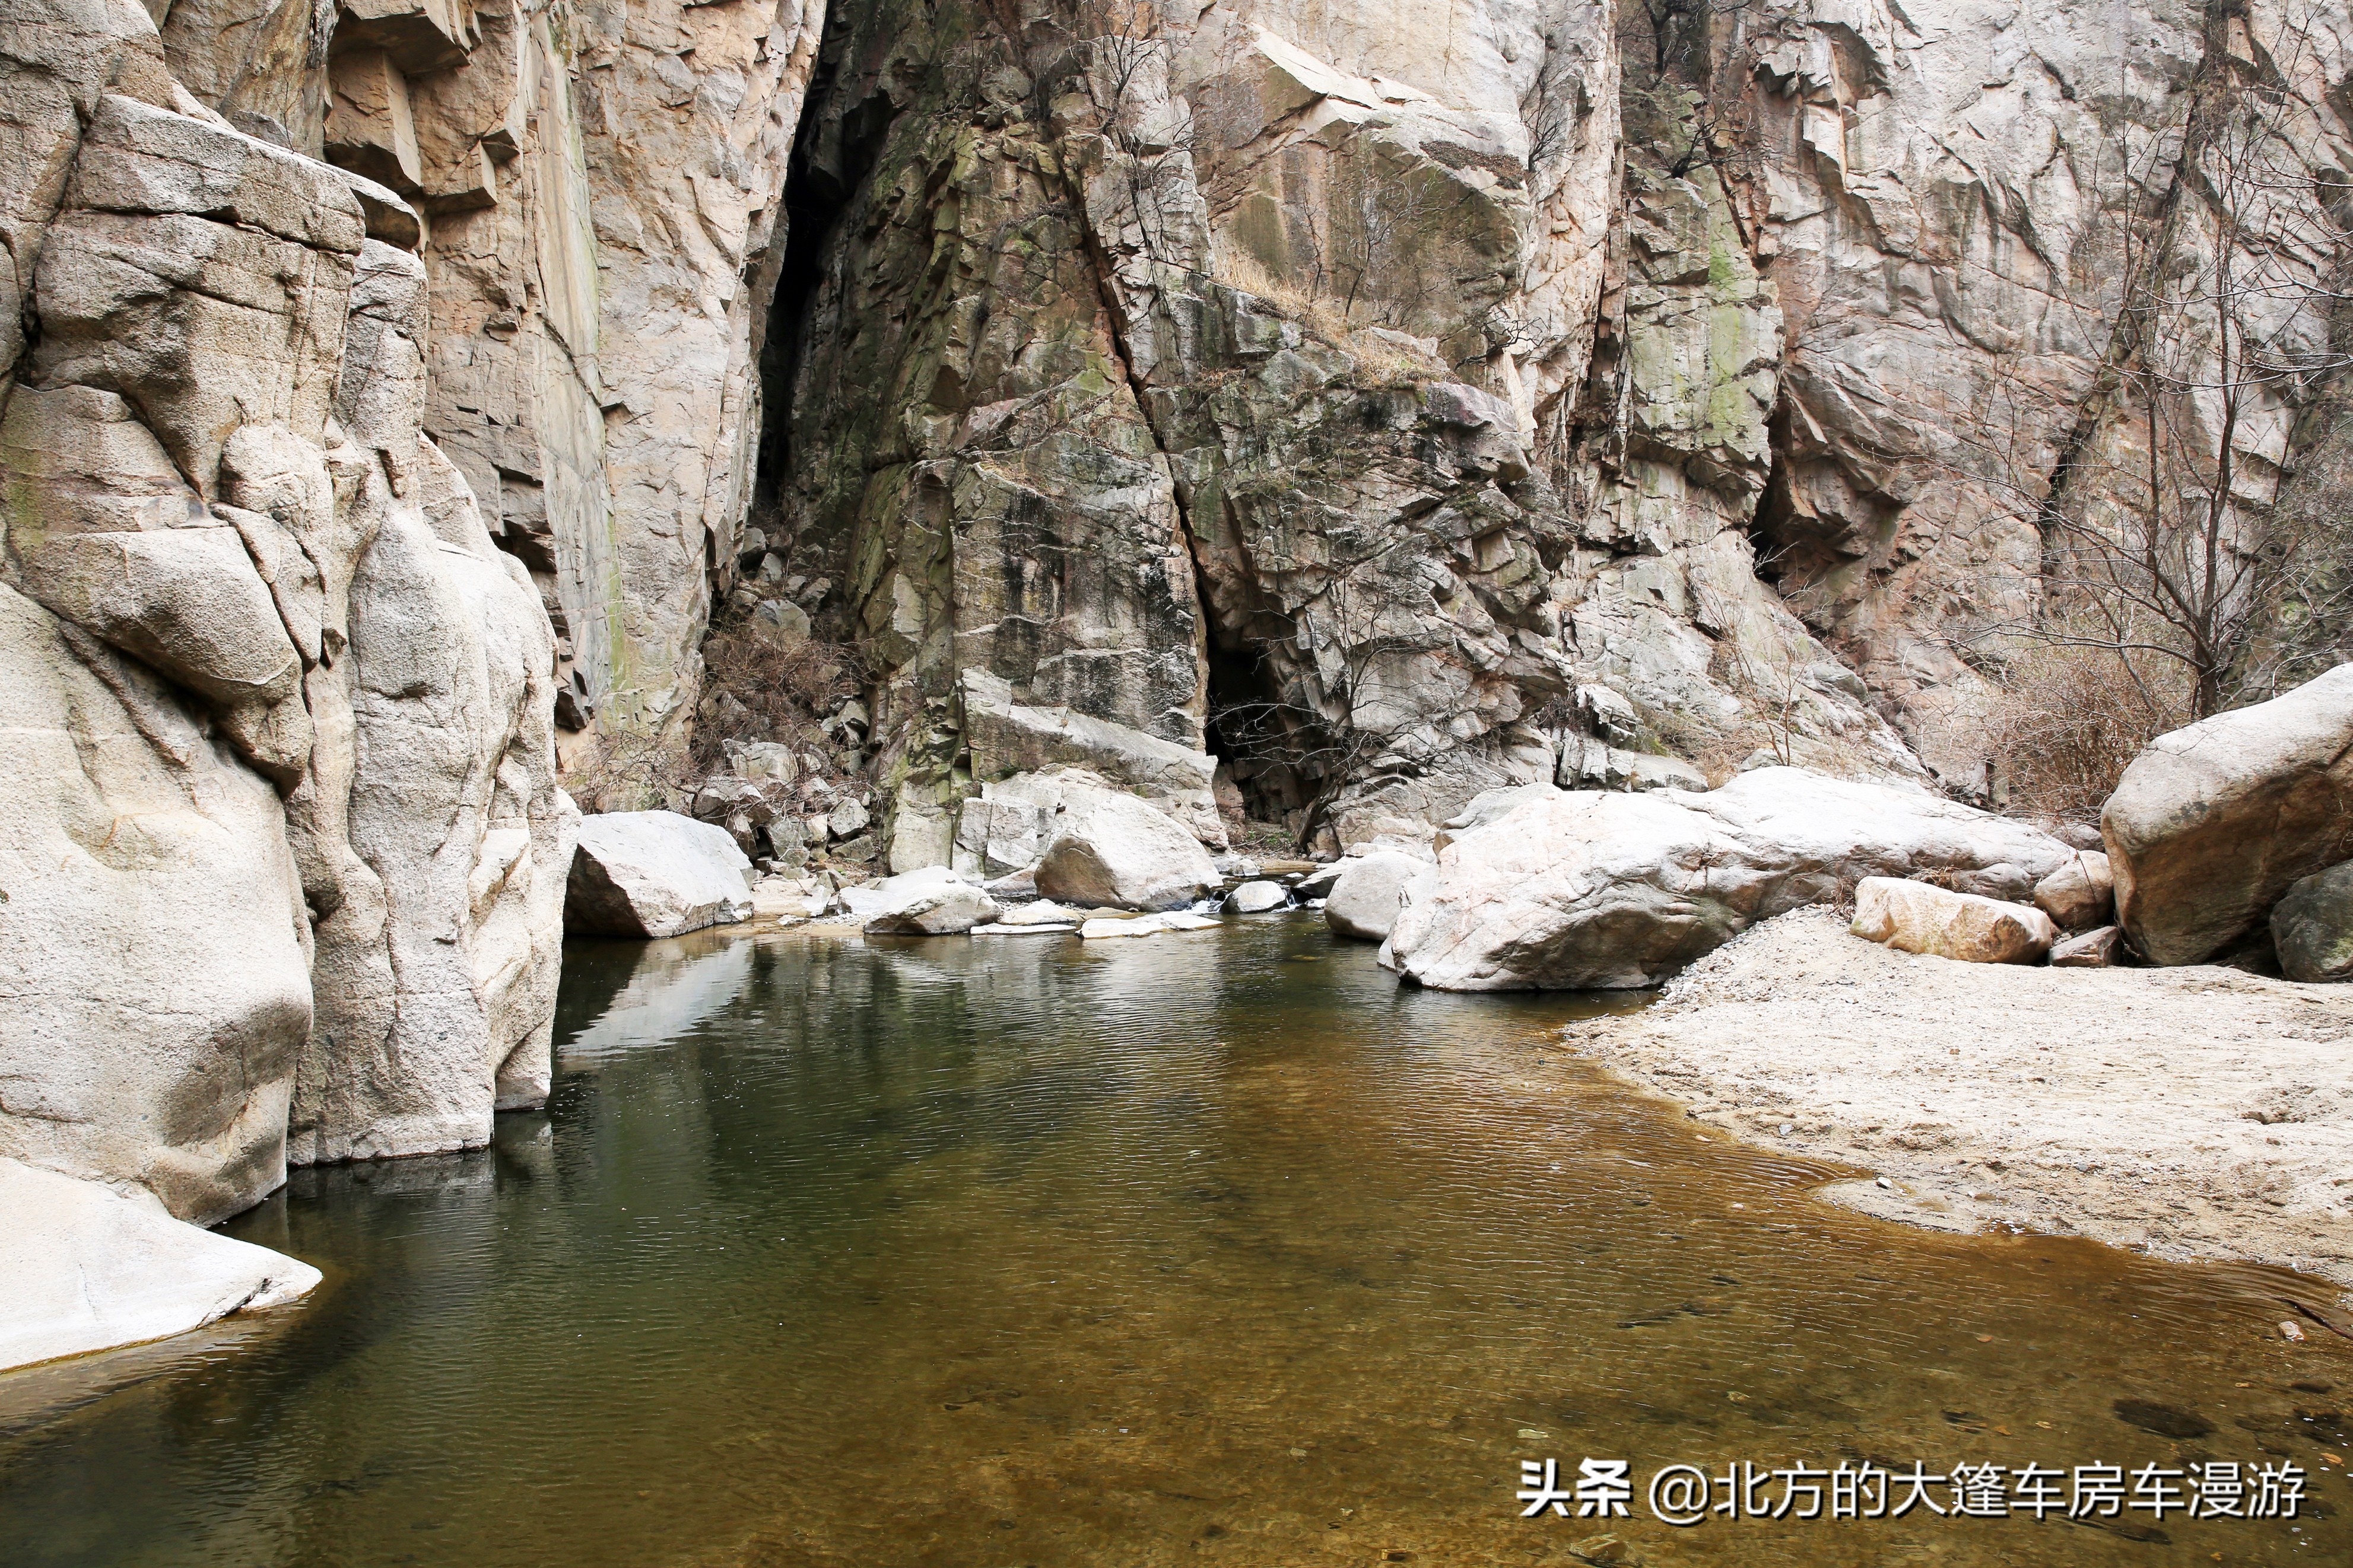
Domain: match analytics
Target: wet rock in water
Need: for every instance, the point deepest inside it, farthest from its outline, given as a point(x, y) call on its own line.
point(654, 874)
point(1316, 884)
point(2165, 1420)
point(89, 1268)
point(1106, 849)
point(948, 908)
point(2079, 894)
point(1371, 889)
point(1106, 927)
point(1257, 898)
point(1041, 912)
point(2097, 949)
point(1143, 925)
point(933, 901)
point(2312, 927)
point(1920, 918)
point(1568, 891)
point(2211, 824)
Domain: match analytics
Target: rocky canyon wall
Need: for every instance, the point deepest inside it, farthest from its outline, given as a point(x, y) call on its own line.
point(1400, 399)
point(374, 382)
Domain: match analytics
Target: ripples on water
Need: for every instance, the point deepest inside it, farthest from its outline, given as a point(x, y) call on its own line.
point(1205, 1248)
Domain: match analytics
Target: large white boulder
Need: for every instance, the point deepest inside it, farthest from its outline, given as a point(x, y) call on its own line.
point(934, 901)
point(1370, 890)
point(2212, 822)
point(89, 1268)
point(155, 1023)
point(1920, 917)
point(655, 873)
point(1107, 849)
point(1614, 890)
point(1257, 898)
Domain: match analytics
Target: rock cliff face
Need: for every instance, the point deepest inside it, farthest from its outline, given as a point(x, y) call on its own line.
point(368, 375)
point(285, 849)
point(1399, 400)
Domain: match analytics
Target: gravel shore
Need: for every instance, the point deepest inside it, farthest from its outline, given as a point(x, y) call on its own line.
point(2189, 1113)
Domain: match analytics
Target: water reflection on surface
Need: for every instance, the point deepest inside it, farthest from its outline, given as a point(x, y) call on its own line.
point(1211, 1248)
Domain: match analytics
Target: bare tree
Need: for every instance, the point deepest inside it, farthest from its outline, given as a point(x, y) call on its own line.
point(2161, 543)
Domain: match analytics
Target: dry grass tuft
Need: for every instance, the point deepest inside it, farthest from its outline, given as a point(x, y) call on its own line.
point(2065, 724)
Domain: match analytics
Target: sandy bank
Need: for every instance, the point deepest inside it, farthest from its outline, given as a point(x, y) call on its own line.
point(2192, 1114)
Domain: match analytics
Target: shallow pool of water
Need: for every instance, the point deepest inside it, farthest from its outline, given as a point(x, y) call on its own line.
point(1207, 1248)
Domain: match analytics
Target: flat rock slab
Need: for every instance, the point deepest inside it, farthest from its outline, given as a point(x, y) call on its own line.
point(653, 874)
point(89, 1268)
point(1146, 925)
point(2196, 1113)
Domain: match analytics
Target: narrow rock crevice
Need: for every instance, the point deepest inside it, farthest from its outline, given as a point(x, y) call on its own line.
point(833, 154)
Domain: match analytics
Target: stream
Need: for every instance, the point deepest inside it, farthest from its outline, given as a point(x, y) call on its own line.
point(1211, 1248)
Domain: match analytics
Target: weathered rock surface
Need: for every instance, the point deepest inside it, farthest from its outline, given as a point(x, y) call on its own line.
point(2312, 926)
point(1041, 912)
point(1369, 891)
point(2211, 824)
point(2098, 948)
point(1568, 891)
point(1106, 849)
point(654, 874)
point(1363, 393)
point(1106, 927)
point(1009, 738)
point(238, 571)
point(930, 902)
point(1395, 410)
point(89, 1268)
point(2079, 894)
point(1919, 917)
point(1257, 898)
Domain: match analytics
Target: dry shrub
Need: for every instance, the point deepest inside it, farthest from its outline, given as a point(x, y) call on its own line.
point(781, 690)
point(2066, 722)
point(630, 772)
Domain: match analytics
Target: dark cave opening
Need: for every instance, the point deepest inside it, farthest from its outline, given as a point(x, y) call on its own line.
point(835, 147)
point(1251, 731)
